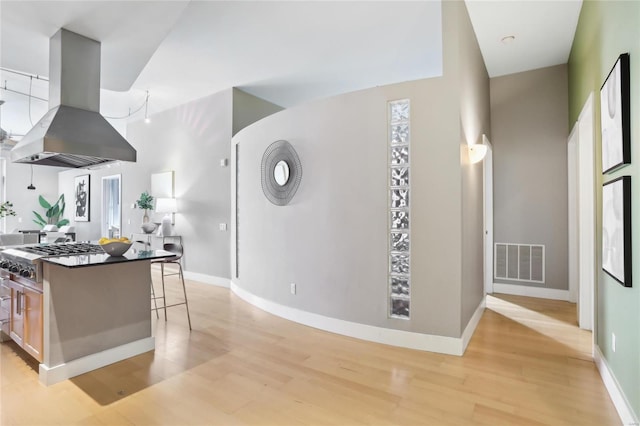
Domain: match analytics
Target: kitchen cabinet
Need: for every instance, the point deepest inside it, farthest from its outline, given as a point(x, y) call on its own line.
point(33, 330)
point(5, 309)
point(25, 318)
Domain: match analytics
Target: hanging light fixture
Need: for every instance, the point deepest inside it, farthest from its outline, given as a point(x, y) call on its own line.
point(31, 187)
point(146, 109)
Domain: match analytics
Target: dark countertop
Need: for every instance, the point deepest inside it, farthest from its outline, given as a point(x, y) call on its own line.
point(82, 260)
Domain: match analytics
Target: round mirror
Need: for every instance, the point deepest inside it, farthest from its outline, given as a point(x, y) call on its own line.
point(281, 173)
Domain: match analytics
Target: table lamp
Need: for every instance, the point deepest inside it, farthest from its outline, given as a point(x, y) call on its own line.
point(167, 206)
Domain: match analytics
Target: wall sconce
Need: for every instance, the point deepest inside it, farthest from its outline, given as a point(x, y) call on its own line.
point(167, 206)
point(478, 151)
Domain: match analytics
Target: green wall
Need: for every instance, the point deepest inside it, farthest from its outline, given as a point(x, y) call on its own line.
point(605, 30)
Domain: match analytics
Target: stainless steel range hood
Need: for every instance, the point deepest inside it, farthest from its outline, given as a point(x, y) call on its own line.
point(73, 133)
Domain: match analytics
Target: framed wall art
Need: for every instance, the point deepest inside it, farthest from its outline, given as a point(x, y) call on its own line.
point(615, 116)
point(616, 229)
point(82, 198)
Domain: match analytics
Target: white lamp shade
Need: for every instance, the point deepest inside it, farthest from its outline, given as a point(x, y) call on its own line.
point(477, 153)
point(166, 205)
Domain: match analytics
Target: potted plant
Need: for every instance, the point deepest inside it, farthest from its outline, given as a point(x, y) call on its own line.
point(6, 209)
point(145, 202)
point(52, 213)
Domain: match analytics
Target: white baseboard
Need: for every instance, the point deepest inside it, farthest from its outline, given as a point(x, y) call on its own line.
point(623, 407)
point(405, 339)
point(473, 323)
point(51, 375)
point(524, 290)
point(207, 279)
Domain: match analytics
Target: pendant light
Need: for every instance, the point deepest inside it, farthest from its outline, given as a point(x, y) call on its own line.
point(31, 187)
point(146, 109)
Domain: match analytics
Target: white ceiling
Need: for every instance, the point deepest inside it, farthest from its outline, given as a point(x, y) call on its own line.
point(285, 52)
point(543, 32)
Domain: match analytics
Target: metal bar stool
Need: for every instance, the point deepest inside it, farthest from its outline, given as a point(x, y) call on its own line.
point(147, 246)
point(177, 249)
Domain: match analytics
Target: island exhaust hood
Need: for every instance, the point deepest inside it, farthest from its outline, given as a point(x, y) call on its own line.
point(73, 133)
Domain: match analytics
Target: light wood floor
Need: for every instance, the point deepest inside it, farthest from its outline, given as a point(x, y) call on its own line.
point(527, 364)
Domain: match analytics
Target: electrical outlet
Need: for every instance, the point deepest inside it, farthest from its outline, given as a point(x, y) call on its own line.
point(223, 226)
point(613, 341)
point(293, 288)
point(223, 162)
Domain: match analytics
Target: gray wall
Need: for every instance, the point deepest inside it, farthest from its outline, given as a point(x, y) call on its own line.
point(18, 177)
point(91, 230)
point(475, 120)
point(529, 134)
point(247, 109)
point(332, 239)
point(191, 140)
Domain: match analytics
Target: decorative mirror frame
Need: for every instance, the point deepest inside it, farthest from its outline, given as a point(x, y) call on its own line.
point(162, 186)
point(280, 195)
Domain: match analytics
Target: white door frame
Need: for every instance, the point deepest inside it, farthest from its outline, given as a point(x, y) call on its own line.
point(582, 225)
point(572, 192)
point(488, 216)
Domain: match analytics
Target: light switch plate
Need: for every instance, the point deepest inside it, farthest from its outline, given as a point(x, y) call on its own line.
point(223, 226)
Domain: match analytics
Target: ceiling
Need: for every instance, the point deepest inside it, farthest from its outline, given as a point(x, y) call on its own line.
point(543, 33)
point(285, 52)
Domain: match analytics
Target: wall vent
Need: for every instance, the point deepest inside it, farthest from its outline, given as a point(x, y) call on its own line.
point(519, 262)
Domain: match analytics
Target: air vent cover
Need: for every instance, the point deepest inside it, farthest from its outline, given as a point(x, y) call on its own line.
point(519, 262)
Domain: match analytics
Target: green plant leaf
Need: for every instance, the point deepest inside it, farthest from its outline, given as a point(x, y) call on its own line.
point(39, 219)
point(44, 203)
point(63, 222)
point(54, 211)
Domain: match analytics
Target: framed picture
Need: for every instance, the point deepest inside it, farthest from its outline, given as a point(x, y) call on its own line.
point(615, 116)
point(82, 197)
point(616, 229)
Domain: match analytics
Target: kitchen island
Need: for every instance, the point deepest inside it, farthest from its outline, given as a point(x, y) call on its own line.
point(95, 310)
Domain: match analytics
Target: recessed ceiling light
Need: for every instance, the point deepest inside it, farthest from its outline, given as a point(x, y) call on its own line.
point(508, 39)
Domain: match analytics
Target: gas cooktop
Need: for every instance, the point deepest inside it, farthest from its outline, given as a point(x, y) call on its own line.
point(69, 249)
point(25, 261)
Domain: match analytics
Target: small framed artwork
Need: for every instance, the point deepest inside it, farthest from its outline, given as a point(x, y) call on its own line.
point(615, 116)
point(82, 198)
point(616, 229)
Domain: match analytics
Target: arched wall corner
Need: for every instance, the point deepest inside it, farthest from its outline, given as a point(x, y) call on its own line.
point(387, 336)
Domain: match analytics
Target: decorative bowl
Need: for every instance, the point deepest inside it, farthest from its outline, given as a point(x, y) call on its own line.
point(115, 248)
point(148, 227)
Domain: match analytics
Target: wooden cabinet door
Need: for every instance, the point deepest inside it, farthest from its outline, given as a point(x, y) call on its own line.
point(5, 308)
point(16, 322)
point(32, 339)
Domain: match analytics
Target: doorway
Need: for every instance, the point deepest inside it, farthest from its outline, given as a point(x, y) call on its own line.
point(488, 217)
point(581, 192)
point(111, 207)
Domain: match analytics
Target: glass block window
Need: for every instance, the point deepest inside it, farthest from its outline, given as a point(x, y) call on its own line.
point(399, 198)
